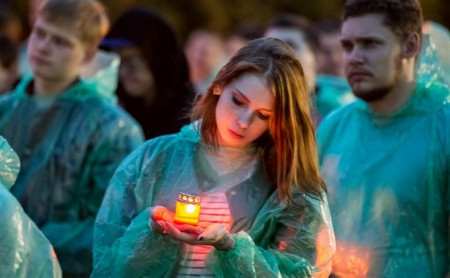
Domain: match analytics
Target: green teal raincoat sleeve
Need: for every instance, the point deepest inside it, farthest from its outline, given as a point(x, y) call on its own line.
point(285, 241)
point(388, 179)
point(124, 244)
point(291, 241)
point(69, 147)
point(25, 252)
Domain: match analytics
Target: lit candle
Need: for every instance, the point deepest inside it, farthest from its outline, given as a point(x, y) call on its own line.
point(187, 209)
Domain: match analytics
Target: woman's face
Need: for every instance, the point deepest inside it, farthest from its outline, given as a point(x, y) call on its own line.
point(243, 110)
point(134, 74)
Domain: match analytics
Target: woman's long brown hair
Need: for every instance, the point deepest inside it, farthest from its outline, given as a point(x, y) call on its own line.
point(289, 147)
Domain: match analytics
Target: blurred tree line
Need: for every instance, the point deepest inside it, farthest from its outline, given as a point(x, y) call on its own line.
point(224, 15)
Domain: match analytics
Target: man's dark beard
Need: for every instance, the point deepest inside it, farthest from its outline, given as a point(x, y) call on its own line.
point(380, 93)
point(375, 94)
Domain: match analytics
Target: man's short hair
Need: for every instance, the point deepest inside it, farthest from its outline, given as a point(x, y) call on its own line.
point(403, 17)
point(87, 17)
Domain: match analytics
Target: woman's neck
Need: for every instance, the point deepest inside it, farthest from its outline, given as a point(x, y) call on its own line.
point(228, 159)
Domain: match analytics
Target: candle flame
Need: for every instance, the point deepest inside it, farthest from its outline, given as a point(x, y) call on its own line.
point(190, 208)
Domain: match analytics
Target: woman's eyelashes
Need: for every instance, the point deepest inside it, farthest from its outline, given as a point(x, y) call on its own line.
point(263, 116)
point(240, 103)
point(237, 101)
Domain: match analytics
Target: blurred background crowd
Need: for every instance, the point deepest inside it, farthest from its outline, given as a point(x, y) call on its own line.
point(200, 36)
point(170, 51)
point(225, 15)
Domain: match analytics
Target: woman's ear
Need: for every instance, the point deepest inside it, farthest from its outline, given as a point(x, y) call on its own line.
point(217, 91)
point(411, 45)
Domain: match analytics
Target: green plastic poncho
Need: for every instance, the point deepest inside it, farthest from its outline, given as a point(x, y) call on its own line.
point(333, 92)
point(388, 182)
point(69, 146)
point(24, 250)
point(277, 240)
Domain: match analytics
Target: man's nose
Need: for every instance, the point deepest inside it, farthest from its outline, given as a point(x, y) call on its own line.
point(355, 56)
point(43, 44)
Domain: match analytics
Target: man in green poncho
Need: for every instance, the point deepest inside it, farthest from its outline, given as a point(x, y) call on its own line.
point(69, 136)
point(25, 252)
point(385, 158)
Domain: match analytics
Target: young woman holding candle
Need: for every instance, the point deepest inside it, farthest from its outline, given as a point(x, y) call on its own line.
point(251, 157)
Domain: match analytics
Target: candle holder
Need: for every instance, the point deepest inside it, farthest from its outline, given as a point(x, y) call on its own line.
point(187, 209)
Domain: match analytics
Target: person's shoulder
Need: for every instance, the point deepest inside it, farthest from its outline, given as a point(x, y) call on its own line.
point(431, 97)
point(175, 145)
point(100, 109)
point(337, 116)
point(187, 137)
point(442, 92)
point(15, 93)
point(7, 97)
point(111, 117)
point(302, 200)
point(8, 102)
point(87, 93)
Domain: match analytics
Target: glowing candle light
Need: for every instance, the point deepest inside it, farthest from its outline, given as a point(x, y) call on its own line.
point(187, 209)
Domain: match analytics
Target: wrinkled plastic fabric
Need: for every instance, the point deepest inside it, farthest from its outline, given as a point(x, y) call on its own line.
point(430, 67)
point(388, 184)
point(102, 74)
point(69, 146)
point(9, 164)
point(24, 250)
point(280, 241)
point(439, 39)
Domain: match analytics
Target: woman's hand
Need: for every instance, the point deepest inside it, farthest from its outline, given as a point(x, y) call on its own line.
point(158, 214)
point(215, 235)
point(195, 235)
point(160, 217)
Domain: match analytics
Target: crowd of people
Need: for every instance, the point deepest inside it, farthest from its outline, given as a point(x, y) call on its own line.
point(306, 149)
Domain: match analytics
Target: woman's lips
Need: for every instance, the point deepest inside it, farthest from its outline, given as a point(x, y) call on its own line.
point(235, 134)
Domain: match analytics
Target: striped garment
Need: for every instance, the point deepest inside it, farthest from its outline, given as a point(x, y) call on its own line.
point(214, 209)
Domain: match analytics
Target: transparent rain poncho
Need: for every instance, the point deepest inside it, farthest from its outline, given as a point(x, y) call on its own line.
point(439, 37)
point(69, 146)
point(388, 181)
point(273, 239)
point(24, 250)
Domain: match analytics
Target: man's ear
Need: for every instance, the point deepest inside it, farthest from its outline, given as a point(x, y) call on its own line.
point(411, 45)
point(89, 54)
